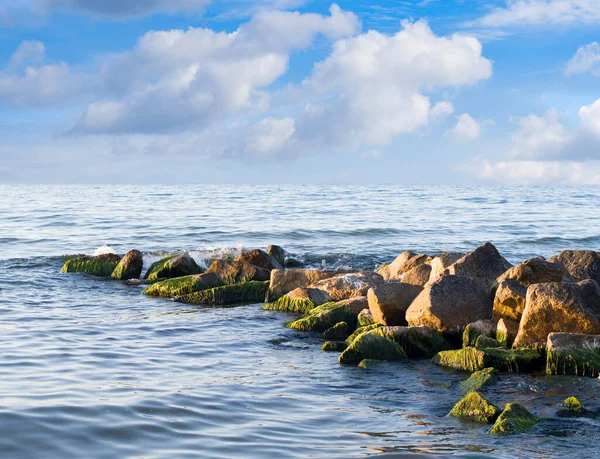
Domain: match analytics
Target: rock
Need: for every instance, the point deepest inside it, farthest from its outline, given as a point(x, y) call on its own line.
point(371, 346)
point(185, 285)
point(485, 342)
point(573, 408)
point(483, 263)
point(100, 266)
point(394, 269)
point(479, 380)
point(334, 346)
point(573, 354)
point(477, 329)
point(388, 302)
point(247, 292)
point(537, 271)
point(369, 364)
point(365, 317)
point(506, 332)
point(505, 360)
point(339, 331)
point(177, 265)
point(565, 307)
point(277, 253)
point(475, 407)
point(299, 301)
point(292, 263)
point(417, 342)
point(235, 272)
point(581, 264)
point(509, 301)
point(515, 418)
point(259, 258)
point(130, 266)
point(327, 315)
point(349, 285)
point(440, 262)
point(361, 330)
point(450, 304)
point(283, 282)
point(419, 275)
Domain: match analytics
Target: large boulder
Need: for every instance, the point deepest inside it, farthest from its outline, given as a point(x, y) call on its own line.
point(581, 264)
point(440, 262)
point(349, 285)
point(417, 342)
point(388, 302)
point(450, 304)
point(559, 307)
point(277, 253)
point(419, 275)
point(283, 282)
point(172, 266)
point(514, 419)
point(233, 272)
point(185, 285)
point(327, 315)
point(299, 301)
point(394, 269)
point(371, 346)
point(505, 360)
point(100, 266)
point(247, 292)
point(260, 258)
point(130, 266)
point(536, 271)
point(573, 354)
point(509, 300)
point(483, 263)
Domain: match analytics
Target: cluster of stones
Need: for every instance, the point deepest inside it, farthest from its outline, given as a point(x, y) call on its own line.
point(467, 311)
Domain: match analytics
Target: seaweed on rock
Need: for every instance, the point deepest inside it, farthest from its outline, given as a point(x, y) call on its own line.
point(515, 418)
point(290, 305)
point(339, 331)
point(572, 361)
point(334, 346)
point(475, 407)
point(248, 292)
point(371, 346)
point(100, 266)
point(362, 330)
point(479, 380)
point(418, 342)
point(327, 315)
point(184, 285)
point(504, 360)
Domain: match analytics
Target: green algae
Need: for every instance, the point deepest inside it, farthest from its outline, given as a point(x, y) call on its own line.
point(416, 343)
point(339, 331)
point(365, 319)
point(504, 360)
point(371, 346)
point(323, 317)
point(179, 286)
point(471, 334)
point(479, 380)
point(361, 330)
point(484, 342)
point(164, 269)
point(367, 364)
point(290, 305)
point(475, 407)
point(100, 266)
point(515, 418)
point(572, 361)
point(249, 292)
point(334, 346)
point(573, 405)
point(502, 338)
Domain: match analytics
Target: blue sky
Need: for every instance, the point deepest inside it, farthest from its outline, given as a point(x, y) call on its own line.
point(293, 91)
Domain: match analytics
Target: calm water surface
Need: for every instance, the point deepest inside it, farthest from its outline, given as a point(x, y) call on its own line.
point(92, 368)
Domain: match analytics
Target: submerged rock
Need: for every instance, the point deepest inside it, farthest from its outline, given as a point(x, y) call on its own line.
point(565, 307)
point(573, 408)
point(581, 264)
point(185, 285)
point(247, 292)
point(371, 346)
point(479, 380)
point(388, 302)
point(515, 418)
point(299, 301)
point(177, 265)
point(283, 282)
point(573, 354)
point(327, 315)
point(277, 253)
point(130, 266)
point(100, 266)
point(476, 329)
point(334, 346)
point(259, 258)
point(417, 342)
point(475, 407)
point(339, 331)
point(504, 360)
point(235, 272)
point(349, 285)
point(509, 301)
point(365, 317)
point(483, 263)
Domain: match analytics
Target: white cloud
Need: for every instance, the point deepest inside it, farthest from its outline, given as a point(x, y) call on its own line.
point(590, 117)
point(441, 110)
point(542, 13)
point(466, 129)
point(586, 59)
point(540, 137)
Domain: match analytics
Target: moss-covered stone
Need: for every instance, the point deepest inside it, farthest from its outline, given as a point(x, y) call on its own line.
point(418, 342)
point(365, 318)
point(475, 407)
point(176, 265)
point(515, 418)
point(327, 315)
point(361, 330)
point(504, 360)
point(334, 346)
point(368, 364)
point(130, 266)
point(248, 292)
point(299, 301)
point(100, 266)
point(339, 331)
point(479, 380)
point(506, 332)
point(573, 404)
point(371, 346)
point(576, 362)
point(185, 285)
point(485, 342)
point(573, 408)
point(476, 329)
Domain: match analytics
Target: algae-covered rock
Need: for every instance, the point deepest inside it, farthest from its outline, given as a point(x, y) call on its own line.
point(185, 285)
point(277, 253)
point(504, 360)
point(339, 331)
point(130, 266)
point(299, 301)
point(365, 318)
point(327, 315)
point(247, 292)
point(509, 301)
point(506, 332)
point(476, 329)
point(581, 264)
point(235, 272)
point(283, 282)
point(573, 405)
point(515, 418)
point(371, 346)
point(483, 263)
point(484, 342)
point(334, 346)
point(417, 342)
point(100, 266)
point(475, 407)
point(367, 364)
point(479, 380)
point(573, 354)
point(349, 285)
point(177, 265)
point(259, 258)
point(388, 302)
point(361, 330)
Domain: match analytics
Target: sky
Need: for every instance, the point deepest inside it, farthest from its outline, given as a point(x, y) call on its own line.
point(300, 91)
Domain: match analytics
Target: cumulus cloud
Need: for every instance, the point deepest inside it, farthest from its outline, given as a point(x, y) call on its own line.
point(586, 59)
point(466, 129)
point(542, 13)
point(540, 137)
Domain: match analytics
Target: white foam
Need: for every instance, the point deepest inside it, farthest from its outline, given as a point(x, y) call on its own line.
point(103, 250)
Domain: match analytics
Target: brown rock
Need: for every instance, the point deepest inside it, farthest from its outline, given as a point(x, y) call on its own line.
point(259, 258)
point(388, 302)
point(581, 264)
point(394, 269)
point(509, 301)
point(232, 272)
point(483, 263)
point(442, 261)
point(130, 266)
point(506, 331)
point(283, 282)
point(537, 271)
point(419, 275)
point(350, 285)
point(277, 253)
